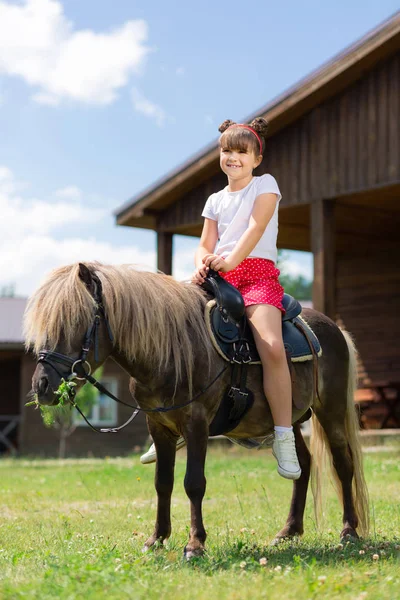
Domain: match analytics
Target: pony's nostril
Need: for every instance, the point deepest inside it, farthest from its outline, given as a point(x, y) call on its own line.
point(43, 385)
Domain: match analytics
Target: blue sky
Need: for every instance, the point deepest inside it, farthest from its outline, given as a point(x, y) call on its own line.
point(98, 99)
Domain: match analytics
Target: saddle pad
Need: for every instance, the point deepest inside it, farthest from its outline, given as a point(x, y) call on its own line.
point(295, 342)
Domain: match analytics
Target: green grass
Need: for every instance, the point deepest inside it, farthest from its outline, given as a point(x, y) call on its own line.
point(74, 529)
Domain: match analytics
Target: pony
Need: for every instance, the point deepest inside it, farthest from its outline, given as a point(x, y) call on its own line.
point(153, 326)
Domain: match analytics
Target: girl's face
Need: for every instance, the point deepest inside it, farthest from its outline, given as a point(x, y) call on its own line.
point(238, 164)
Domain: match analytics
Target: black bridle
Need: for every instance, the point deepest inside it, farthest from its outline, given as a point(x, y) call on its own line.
point(80, 368)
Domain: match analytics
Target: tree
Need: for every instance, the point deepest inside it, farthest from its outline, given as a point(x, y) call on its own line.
point(7, 291)
point(296, 285)
point(64, 418)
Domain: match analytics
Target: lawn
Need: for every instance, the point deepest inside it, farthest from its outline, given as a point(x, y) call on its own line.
point(74, 529)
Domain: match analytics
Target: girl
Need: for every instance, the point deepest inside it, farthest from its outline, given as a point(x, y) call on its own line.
point(239, 240)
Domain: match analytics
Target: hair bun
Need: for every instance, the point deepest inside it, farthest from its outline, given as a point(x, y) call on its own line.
point(224, 126)
point(260, 126)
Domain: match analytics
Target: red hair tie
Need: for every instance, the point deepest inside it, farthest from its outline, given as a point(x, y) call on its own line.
point(250, 129)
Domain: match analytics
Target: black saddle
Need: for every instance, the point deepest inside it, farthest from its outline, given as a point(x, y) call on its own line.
point(231, 333)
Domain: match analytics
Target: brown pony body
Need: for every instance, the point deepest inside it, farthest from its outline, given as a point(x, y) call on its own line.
point(161, 339)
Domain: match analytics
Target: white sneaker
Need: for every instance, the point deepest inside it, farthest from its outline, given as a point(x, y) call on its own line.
point(284, 450)
point(150, 456)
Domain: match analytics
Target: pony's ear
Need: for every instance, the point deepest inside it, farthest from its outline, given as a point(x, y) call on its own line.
point(85, 275)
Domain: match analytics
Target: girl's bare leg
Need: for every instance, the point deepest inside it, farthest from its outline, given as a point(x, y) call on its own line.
point(266, 324)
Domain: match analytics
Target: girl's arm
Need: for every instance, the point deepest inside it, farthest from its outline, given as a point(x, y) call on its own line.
point(208, 241)
point(263, 210)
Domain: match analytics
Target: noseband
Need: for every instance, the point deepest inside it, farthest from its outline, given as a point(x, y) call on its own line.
point(80, 368)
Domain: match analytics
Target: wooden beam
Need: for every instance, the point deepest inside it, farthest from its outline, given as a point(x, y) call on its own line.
point(164, 252)
point(323, 248)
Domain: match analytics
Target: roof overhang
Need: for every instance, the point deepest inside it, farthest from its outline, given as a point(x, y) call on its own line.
point(8, 346)
point(321, 85)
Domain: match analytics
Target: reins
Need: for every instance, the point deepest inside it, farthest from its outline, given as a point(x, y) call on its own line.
point(77, 369)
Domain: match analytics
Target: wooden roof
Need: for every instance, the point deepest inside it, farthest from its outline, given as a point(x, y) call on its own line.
point(322, 84)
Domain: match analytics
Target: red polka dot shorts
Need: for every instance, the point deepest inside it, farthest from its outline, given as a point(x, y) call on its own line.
point(257, 279)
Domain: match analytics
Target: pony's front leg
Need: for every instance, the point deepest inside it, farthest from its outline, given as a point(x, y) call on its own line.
point(165, 444)
point(196, 437)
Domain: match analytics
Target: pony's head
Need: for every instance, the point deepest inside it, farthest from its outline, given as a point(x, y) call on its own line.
point(60, 323)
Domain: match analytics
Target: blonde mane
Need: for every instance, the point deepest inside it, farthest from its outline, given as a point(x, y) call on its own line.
point(154, 318)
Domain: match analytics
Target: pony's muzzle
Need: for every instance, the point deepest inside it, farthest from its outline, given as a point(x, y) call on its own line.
point(43, 386)
point(43, 391)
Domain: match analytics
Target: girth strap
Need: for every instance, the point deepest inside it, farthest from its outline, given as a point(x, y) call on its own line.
point(238, 390)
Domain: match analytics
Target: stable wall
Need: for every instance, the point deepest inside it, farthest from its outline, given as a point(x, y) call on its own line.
point(367, 304)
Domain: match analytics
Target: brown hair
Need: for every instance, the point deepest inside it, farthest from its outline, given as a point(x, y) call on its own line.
point(240, 138)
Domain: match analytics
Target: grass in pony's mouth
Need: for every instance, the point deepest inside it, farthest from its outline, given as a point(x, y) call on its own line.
point(65, 391)
point(34, 402)
point(50, 414)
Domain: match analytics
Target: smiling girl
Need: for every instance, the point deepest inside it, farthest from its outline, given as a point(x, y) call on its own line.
point(239, 240)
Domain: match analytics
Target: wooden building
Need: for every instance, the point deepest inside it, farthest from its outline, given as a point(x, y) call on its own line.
point(21, 428)
point(334, 147)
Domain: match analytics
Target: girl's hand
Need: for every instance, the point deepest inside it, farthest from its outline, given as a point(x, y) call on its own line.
point(217, 263)
point(199, 275)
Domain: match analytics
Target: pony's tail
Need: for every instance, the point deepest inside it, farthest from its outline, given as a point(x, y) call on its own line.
point(321, 453)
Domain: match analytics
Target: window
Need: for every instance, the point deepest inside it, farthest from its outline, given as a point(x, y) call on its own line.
point(104, 411)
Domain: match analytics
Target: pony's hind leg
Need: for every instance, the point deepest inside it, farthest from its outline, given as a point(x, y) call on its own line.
point(294, 522)
point(342, 461)
point(196, 436)
point(165, 444)
point(338, 423)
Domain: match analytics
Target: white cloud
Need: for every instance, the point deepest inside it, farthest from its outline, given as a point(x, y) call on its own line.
point(148, 108)
point(71, 191)
point(32, 238)
point(22, 217)
point(35, 255)
point(7, 184)
point(39, 44)
point(43, 98)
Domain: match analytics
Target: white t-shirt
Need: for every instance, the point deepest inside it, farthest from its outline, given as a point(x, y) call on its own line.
point(232, 211)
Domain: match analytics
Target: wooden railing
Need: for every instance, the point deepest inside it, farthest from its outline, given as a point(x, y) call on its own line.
point(380, 404)
point(8, 423)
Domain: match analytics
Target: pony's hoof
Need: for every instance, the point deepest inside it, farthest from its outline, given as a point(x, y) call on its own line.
point(348, 535)
point(194, 553)
point(153, 544)
point(278, 540)
point(287, 534)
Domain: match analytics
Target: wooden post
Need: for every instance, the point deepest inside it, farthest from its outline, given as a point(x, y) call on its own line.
point(164, 252)
point(323, 248)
